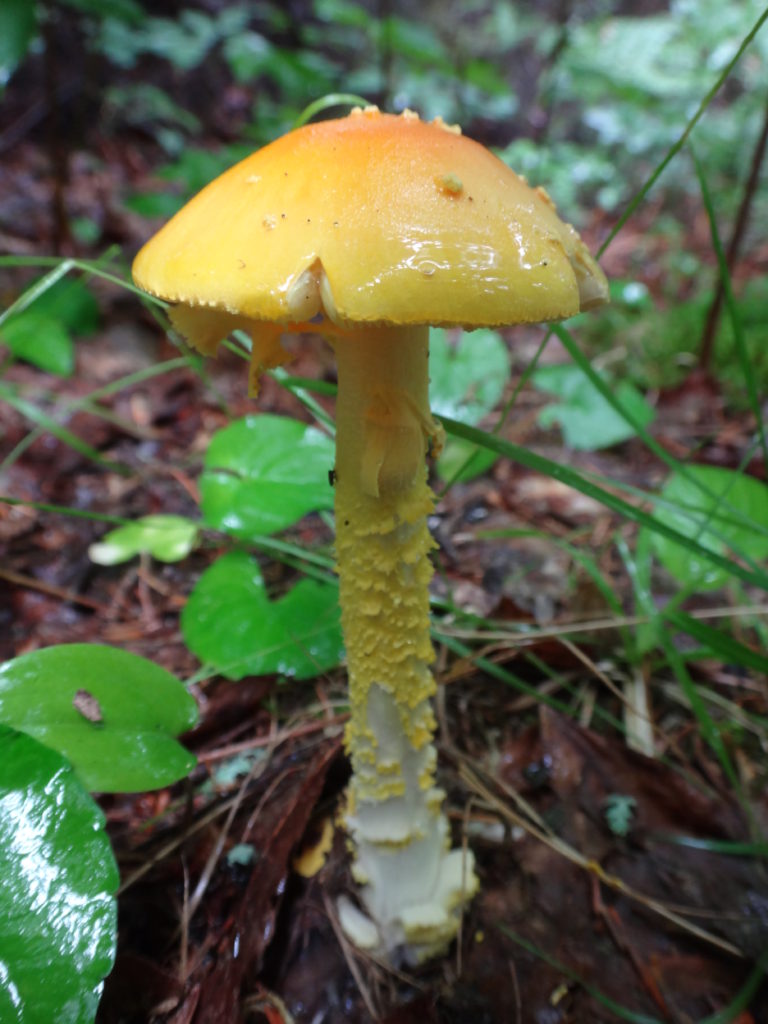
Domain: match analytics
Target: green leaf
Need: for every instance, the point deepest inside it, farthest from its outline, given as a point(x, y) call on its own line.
point(18, 25)
point(247, 54)
point(154, 204)
point(263, 473)
point(39, 326)
point(41, 341)
point(71, 302)
point(230, 623)
point(417, 42)
point(752, 573)
point(619, 810)
point(113, 714)
point(58, 917)
point(466, 379)
point(462, 461)
point(734, 513)
point(588, 421)
point(166, 538)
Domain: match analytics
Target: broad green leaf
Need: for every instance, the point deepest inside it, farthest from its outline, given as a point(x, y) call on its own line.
point(41, 341)
point(587, 419)
point(733, 514)
point(18, 24)
point(166, 538)
point(263, 473)
point(416, 41)
point(71, 302)
point(58, 915)
point(230, 623)
point(247, 54)
point(466, 381)
point(113, 714)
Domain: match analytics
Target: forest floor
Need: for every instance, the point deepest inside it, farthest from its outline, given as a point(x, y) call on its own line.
point(575, 922)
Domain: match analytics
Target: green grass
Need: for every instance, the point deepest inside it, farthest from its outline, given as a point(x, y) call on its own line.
point(640, 624)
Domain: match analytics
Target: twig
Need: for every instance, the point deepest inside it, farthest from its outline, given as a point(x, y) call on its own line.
point(257, 769)
point(615, 926)
point(634, 698)
point(516, 991)
point(464, 863)
point(52, 590)
point(349, 956)
point(222, 753)
point(594, 625)
point(186, 917)
point(541, 831)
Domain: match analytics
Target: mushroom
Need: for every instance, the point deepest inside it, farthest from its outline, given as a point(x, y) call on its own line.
point(368, 229)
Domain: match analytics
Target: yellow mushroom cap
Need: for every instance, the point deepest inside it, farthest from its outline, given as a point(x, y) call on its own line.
point(372, 218)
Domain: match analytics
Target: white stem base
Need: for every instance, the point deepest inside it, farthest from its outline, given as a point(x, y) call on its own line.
point(413, 886)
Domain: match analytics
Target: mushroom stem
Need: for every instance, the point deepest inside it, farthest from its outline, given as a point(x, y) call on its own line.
point(413, 887)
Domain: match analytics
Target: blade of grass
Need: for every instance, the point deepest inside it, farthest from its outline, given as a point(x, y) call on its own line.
point(731, 651)
point(743, 998)
point(510, 679)
point(674, 464)
point(298, 389)
point(727, 847)
point(675, 148)
point(94, 396)
point(296, 385)
point(725, 1016)
point(64, 510)
point(731, 306)
point(506, 410)
point(42, 419)
point(86, 266)
point(538, 827)
point(584, 559)
point(333, 99)
point(37, 289)
point(708, 726)
point(754, 575)
point(621, 1012)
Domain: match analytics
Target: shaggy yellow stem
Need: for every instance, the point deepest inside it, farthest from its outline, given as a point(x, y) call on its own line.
point(413, 887)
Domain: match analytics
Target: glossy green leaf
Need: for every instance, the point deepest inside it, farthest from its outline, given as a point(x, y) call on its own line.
point(263, 473)
point(41, 341)
point(588, 421)
point(58, 916)
point(166, 538)
point(231, 624)
point(734, 514)
point(113, 714)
